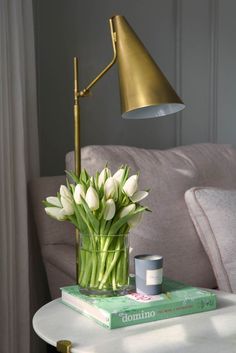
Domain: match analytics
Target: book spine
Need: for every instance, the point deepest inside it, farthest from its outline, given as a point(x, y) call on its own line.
point(134, 317)
point(101, 317)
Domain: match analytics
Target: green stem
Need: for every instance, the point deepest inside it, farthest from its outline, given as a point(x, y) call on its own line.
point(119, 271)
point(103, 261)
point(125, 267)
point(85, 261)
point(82, 259)
point(114, 287)
point(111, 266)
point(94, 270)
point(87, 273)
point(104, 253)
point(94, 261)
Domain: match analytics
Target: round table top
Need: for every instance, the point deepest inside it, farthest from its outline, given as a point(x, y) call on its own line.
point(208, 332)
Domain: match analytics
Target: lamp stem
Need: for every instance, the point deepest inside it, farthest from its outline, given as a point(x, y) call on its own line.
point(77, 119)
point(77, 149)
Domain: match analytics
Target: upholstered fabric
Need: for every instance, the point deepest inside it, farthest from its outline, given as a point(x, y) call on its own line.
point(61, 256)
point(213, 212)
point(60, 266)
point(57, 279)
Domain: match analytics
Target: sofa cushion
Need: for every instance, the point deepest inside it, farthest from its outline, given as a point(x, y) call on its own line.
point(168, 230)
point(57, 279)
point(213, 212)
point(61, 256)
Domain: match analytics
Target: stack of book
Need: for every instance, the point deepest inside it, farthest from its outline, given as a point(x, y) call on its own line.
point(177, 299)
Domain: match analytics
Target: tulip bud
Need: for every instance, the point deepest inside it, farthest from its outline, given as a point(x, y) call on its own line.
point(105, 173)
point(131, 185)
point(138, 196)
point(133, 221)
point(67, 205)
point(118, 176)
point(111, 188)
point(66, 200)
point(79, 191)
point(92, 199)
point(64, 191)
point(110, 210)
point(56, 212)
point(53, 200)
point(127, 209)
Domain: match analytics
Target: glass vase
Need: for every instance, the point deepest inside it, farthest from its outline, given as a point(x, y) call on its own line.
point(103, 264)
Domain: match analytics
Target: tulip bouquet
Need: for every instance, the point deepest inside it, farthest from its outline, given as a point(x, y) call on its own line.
point(103, 208)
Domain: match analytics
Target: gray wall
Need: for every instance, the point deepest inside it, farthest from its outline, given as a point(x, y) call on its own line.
point(192, 41)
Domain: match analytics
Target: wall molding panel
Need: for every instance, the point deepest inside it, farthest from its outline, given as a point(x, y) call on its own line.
point(195, 68)
point(214, 32)
point(206, 70)
point(178, 67)
point(226, 73)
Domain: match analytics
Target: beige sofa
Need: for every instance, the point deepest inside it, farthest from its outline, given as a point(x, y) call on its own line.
point(168, 230)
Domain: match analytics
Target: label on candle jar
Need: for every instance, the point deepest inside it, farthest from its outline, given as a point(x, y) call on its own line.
point(154, 277)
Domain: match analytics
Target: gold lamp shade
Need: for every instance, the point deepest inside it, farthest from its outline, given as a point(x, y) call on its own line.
point(144, 90)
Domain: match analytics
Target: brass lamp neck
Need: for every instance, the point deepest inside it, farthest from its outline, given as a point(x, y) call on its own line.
point(85, 91)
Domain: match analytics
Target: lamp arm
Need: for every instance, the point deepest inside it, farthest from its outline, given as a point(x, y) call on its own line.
point(85, 91)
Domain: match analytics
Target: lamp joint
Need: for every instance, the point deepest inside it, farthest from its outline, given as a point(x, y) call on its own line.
point(84, 93)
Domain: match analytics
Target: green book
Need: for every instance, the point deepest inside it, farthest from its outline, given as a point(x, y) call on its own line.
point(177, 299)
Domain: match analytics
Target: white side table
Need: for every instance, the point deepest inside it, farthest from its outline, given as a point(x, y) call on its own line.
point(209, 332)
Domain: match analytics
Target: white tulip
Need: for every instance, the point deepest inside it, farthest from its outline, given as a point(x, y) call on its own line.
point(66, 200)
point(138, 196)
point(79, 191)
point(133, 221)
point(127, 209)
point(131, 185)
point(67, 205)
point(92, 199)
point(56, 212)
point(110, 210)
point(64, 191)
point(111, 188)
point(118, 176)
point(53, 200)
point(105, 173)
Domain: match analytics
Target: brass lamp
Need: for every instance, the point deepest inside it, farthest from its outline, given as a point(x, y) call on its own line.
point(144, 90)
